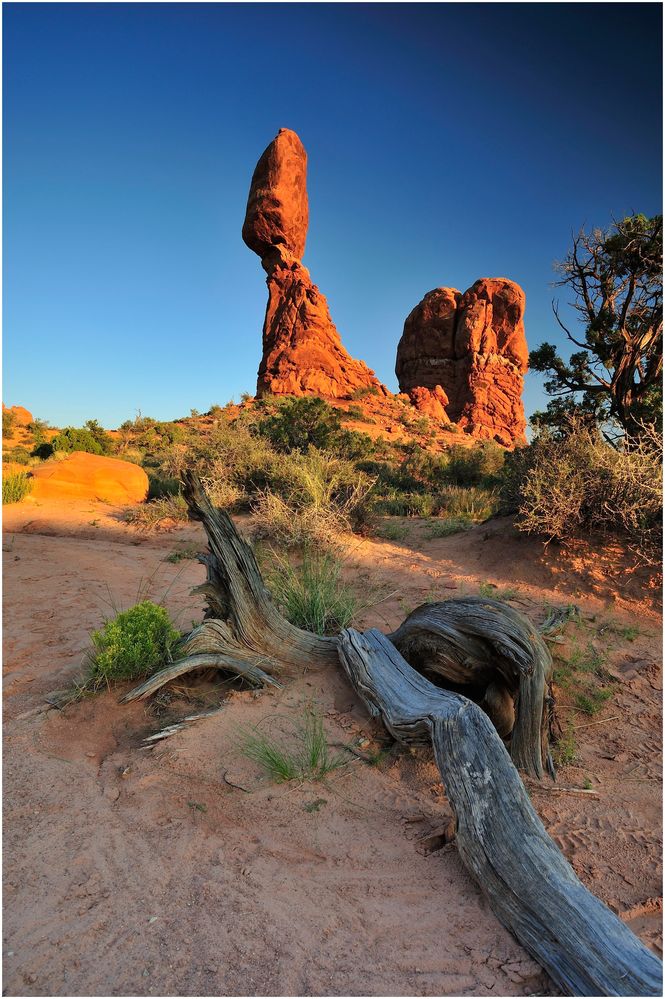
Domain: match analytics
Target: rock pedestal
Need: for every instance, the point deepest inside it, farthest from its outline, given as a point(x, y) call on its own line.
point(302, 351)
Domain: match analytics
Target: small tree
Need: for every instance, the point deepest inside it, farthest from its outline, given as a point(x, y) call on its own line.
point(616, 281)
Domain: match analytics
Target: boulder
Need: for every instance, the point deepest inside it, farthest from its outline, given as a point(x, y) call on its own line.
point(473, 348)
point(277, 209)
point(90, 476)
point(302, 351)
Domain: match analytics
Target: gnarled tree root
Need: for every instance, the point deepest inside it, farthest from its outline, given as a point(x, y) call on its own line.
point(531, 887)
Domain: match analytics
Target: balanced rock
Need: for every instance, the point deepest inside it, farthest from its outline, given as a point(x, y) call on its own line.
point(90, 476)
point(473, 348)
point(302, 351)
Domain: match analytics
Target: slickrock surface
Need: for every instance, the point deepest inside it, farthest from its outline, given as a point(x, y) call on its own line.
point(302, 351)
point(472, 349)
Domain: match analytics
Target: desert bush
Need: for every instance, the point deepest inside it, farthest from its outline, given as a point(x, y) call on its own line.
point(20, 455)
point(312, 595)
point(313, 498)
point(473, 502)
point(404, 504)
point(8, 422)
point(580, 483)
point(474, 466)
point(299, 424)
point(160, 486)
point(158, 512)
point(306, 756)
point(15, 487)
point(362, 393)
point(133, 644)
point(447, 526)
point(71, 439)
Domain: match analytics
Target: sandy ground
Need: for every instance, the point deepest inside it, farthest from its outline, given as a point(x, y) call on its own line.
point(182, 870)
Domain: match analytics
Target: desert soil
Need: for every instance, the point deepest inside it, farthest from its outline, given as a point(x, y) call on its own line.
point(182, 870)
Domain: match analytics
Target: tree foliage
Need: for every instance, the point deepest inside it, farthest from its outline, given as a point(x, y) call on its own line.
point(615, 278)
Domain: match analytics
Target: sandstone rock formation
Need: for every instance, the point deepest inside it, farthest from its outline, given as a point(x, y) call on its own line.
point(90, 476)
point(472, 350)
point(302, 350)
point(21, 415)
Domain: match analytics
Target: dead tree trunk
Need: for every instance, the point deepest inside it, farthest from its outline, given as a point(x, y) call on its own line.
point(531, 887)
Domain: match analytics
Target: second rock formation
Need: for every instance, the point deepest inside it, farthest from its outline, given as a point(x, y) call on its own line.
point(466, 355)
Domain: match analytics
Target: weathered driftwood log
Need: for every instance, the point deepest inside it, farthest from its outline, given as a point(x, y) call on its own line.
point(585, 948)
point(483, 644)
point(531, 887)
point(243, 632)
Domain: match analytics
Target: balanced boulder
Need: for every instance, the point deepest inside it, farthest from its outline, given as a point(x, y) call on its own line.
point(302, 351)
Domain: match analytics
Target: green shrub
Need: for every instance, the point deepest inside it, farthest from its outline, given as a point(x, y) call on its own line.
point(472, 502)
point(132, 645)
point(579, 483)
point(474, 466)
point(312, 500)
point(73, 439)
point(304, 757)
point(299, 423)
point(398, 504)
point(362, 393)
point(160, 486)
point(312, 595)
point(20, 455)
point(8, 422)
point(15, 487)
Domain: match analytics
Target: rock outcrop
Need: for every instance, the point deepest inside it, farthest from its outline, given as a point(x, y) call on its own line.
point(471, 350)
point(21, 415)
point(90, 476)
point(302, 350)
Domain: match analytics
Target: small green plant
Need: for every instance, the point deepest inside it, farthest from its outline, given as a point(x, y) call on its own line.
point(393, 532)
point(311, 595)
point(197, 806)
point(362, 393)
point(189, 552)
point(314, 806)
point(8, 422)
point(450, 525)
point(133, 644)
point(492, 590)
point(306, 757)
point(564, 751)
point(593, 699)
point(15, 487)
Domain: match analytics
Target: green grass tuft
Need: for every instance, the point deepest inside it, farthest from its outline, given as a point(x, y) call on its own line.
point(306, 757)
point(312, 595)
point(15, 488)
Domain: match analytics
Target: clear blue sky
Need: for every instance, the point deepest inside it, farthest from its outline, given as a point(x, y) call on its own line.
point(446, 143)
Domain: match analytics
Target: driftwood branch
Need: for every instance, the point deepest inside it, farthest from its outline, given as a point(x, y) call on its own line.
point(469, 643)
point(533, 890)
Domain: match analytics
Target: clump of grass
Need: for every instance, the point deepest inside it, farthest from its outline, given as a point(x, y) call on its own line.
point(564, 752)
point(393, 532)
point(158, 512)
point(311, 595)
point(449, 525)
point(131, 645)
point(15, 488)
point(475, 502)
point(190, 552)
point(491, 590)
point(593, 699)
point(306, 757)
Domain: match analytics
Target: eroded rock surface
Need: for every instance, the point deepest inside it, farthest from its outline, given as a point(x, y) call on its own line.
point(302, 351)
point(472, 349)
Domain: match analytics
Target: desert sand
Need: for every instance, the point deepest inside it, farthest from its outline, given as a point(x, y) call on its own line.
point(181, 869)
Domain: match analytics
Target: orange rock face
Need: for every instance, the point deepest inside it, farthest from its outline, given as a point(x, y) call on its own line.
point(23, 416)
point(473, 348)
point(90, 476)
point(302, 351)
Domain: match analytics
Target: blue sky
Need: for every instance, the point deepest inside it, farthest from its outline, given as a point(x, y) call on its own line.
point(446, 142)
